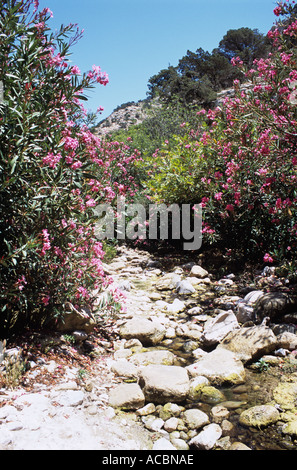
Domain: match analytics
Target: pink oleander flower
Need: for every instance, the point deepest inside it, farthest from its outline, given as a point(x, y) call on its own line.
point(206, 229)
point(82, 292)
point(257, 88)
point(98, 75)
point(236, 61)
point(75, 70)
point(285, 58)
point(40, 26)
point(70, 143)
point(21, 283)
point(91, 203)
point(45, 300)
point(277, 11)
point(267, 258)
point(36, 5)
point(230, 207)
point(46, 11)
point(51, 160)
point(262, 171)
point(46, 245)
point(76, 165)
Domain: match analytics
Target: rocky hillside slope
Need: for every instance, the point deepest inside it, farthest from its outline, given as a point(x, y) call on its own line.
point(124, 116)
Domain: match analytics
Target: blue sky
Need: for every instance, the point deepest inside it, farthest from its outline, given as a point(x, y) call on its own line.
point(132, 40)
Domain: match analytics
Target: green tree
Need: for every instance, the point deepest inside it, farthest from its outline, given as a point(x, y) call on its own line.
point(188, 87)
point(248, 44)
point(214, 67)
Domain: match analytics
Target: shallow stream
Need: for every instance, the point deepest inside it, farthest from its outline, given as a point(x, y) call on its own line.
point(259, 385)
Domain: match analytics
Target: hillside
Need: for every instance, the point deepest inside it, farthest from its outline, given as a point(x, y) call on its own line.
point(125, 115)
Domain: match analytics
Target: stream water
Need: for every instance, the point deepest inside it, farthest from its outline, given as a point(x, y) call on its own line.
point(257, 390)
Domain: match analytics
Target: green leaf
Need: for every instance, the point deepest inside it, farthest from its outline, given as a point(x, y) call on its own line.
point(13, 163)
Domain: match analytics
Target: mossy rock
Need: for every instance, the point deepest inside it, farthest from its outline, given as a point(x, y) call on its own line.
point(259, 416)
point(290, 428)
point(285, 394)
point(211, 395)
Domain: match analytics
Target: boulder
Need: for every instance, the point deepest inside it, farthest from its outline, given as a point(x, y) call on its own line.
point(287, 340)
point(217, 328)
point(219, 413)
point(244, 312)
point(189, 330)
point(285, 395)
point(207, 438)
point(75, 319)
point(148, 409)
point(195, 311)
point(69, 398)
point(162, 384)
point(253, 296)
point(127, 396)
point(170, 410)
point(239, 446)
point(163, 444)
point(171, 424)
point(250, 343)
point(219, 366)
point(290, 428)
point(211, 395)
point(259, 416)
point(125, 369)
point(195, 419)
point(198, 271)
point(177, 306)
point(185, 287)
point(168, 282)
point(146, 331)
point(275, 305)
point(164, 357)
point(196, 386)
point(152, 423)
point(198, 282)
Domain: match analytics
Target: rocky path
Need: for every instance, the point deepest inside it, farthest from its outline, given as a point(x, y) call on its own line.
point(190, 364)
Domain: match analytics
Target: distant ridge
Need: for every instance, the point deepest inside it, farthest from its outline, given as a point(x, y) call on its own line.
point(124, 116)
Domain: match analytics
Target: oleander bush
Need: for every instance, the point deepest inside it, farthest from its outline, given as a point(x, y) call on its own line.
point(240, 159)
point(53, 172)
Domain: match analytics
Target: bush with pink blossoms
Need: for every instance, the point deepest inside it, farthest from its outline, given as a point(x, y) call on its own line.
point(53, 171)
point(241, 161)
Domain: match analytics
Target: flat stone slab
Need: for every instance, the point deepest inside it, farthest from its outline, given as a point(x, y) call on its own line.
point(250, 343)
point(127, 396)
point(146, 331)
point(163, 384)
point(219, 366)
